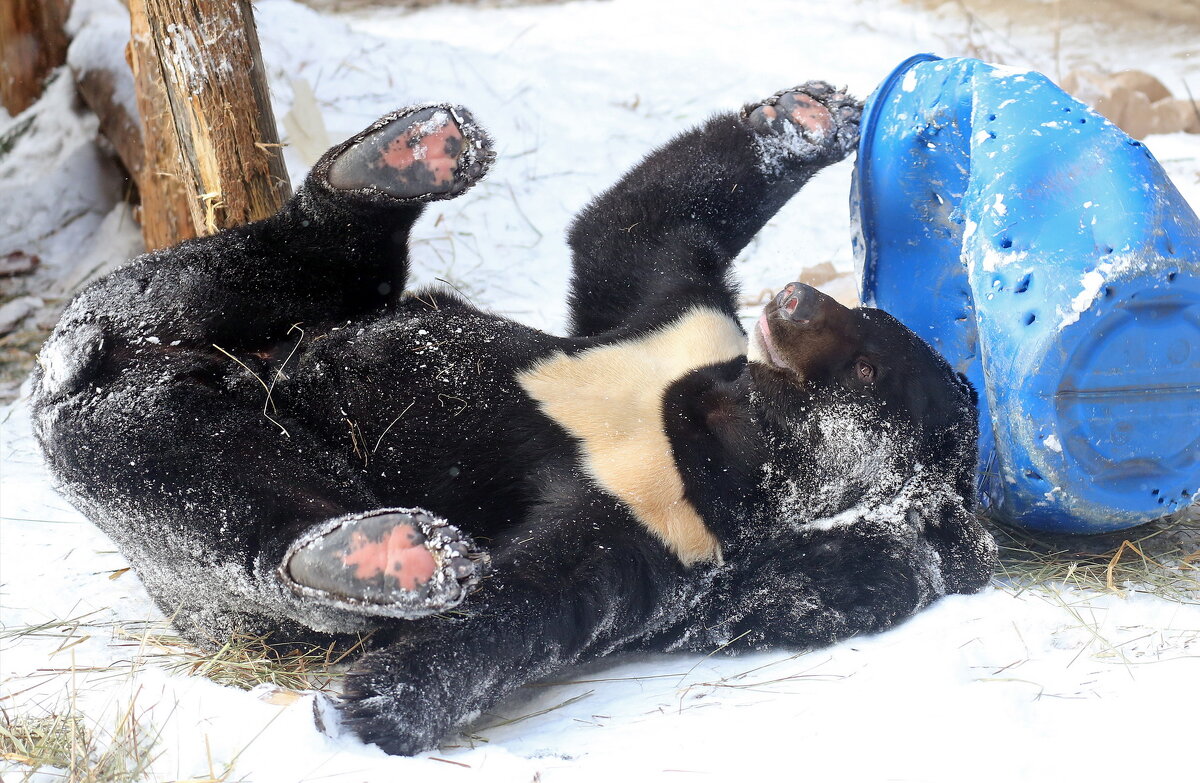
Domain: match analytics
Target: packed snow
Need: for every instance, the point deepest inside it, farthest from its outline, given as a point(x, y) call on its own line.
point(1005, 685)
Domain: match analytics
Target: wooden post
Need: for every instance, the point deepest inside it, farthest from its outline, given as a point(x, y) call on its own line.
point(164, 213)
point(32, 43)
point(206, 116)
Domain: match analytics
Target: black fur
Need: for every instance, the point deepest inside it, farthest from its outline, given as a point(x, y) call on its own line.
point(841, 505)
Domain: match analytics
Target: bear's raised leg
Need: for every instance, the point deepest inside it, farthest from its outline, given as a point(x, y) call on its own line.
point(338, 250)
point(661, 240)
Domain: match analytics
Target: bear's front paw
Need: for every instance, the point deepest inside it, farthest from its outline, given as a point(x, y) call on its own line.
point(403, 563)
point(413, 155)
point(812, 122)
point(389, 703)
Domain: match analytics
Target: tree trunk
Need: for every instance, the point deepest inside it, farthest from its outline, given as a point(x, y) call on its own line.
point(206, 118)
point(98, 88)
point(98, 58)
point(32, 43)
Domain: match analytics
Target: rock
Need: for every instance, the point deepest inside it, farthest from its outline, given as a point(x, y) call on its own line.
point(1140, 81)
point(1135, 101)
point(18, 262)
point(13, 312)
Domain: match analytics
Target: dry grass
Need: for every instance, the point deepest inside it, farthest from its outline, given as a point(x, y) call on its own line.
point(242, 661)
point(46, 741)
point(1162, 558)
point(65, 745)
point(74, 745)
point(18, 352)
point(245, 661)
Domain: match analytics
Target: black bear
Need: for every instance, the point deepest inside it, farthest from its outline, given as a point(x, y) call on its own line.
point(281, 439)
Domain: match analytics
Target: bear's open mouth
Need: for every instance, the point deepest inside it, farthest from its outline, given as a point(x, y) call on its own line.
point(763, 334)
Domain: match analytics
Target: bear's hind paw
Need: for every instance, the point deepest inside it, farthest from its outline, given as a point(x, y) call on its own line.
point(403, 563)
point(412, 155)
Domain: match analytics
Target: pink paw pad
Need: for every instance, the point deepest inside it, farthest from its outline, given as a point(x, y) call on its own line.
point(794, 108)
point(806, 112)
point(433, 145)
point(397, 555)
point(824, 116)
point(432, 152)
point(396, 562)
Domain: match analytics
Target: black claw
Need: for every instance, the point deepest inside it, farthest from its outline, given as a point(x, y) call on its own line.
point(462, 567)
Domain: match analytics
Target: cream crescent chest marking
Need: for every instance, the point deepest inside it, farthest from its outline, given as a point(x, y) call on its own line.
point(610, 399)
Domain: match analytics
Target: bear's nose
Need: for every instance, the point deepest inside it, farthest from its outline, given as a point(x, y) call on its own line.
point(799, 302)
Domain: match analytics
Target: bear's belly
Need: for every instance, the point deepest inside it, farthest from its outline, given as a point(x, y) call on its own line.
point(428, 406)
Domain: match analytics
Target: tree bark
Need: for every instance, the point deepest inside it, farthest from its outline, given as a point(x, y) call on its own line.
point(164, 213)
point(98, 58)
point(207, 122)
point(32, 43)
point(98, 89)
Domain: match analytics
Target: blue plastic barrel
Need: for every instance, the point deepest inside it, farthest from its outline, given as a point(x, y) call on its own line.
point(1047, 255)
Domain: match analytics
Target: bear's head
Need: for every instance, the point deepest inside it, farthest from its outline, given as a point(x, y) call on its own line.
point(859, 402)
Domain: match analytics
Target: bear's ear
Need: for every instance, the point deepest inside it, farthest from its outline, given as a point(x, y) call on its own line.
point(705, 400)
point(969, 388)
point(707, 421)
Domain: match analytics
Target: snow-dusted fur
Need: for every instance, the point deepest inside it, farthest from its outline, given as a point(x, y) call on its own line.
point(209, 404)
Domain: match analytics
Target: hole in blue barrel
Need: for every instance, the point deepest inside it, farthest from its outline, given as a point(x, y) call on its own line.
point(1030, 473)
point(1154, 492)
point(991, 117)
point(1171, 276)
point(1023, 284)
point(1083, 120)
point(1030, 318)
point(1108, 292)
point(1005, 243)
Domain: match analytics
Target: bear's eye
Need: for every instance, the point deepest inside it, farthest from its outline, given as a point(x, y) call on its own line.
point(864, 371)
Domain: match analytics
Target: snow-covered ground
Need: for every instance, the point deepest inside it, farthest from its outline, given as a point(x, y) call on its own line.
point(1004, 685)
